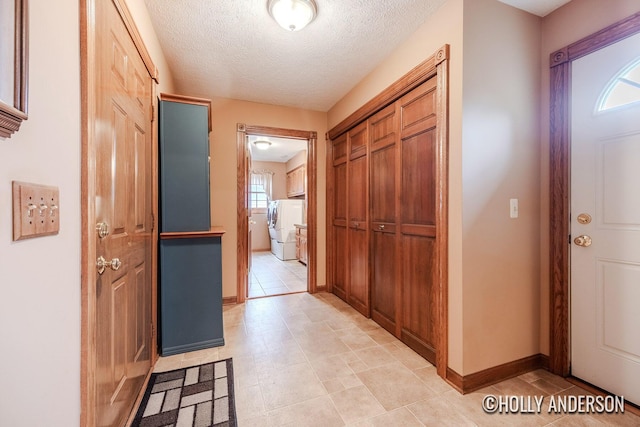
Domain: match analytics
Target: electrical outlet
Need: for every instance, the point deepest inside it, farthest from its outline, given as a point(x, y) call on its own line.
point(36, 210)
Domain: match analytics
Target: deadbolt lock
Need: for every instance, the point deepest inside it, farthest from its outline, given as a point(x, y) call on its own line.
point(103, 229)
point(584, 218)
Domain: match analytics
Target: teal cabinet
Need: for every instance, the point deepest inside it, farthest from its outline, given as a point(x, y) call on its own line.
point(190, 264)
point(191, 292)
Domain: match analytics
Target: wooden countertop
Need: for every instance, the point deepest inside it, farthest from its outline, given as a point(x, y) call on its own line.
point(300, 225)
point(215, 231)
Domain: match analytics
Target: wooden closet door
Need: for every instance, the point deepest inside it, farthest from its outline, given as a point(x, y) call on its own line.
point(417, 218)
point(357, 212)
point(339, 220)
point(384, 190)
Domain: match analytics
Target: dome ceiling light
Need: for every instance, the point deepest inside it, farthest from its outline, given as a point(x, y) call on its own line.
point(262, 144)
point(292, 15)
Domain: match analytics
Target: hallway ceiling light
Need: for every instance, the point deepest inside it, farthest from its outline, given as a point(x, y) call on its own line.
point(292, 15)
point(262, 144)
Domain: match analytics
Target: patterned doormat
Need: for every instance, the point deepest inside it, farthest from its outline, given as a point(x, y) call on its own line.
point(198, 396)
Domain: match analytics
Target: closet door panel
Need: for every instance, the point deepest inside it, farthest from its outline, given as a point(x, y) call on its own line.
point(383, 185)
point(418, 109)
point(358, 141)
point(418, 219)
point(340, 193)
point(383, 279)
point(338, 235)
point(358, 259)
point(358, 295)
point(418, 302)
point(339, 261)
point(357, 191)
point(340, 149)
point(418, 180)
point(384, 255)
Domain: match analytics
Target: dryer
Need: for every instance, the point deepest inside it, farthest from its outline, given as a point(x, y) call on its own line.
point(281, 217)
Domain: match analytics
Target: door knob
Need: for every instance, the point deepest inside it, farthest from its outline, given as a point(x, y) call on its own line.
point(583, 240)
point(102, 264)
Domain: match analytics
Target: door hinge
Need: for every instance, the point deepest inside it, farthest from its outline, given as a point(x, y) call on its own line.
point(153, 113)
point(153, 222)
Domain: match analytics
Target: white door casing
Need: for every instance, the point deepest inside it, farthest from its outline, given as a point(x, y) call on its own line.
point(605, 185)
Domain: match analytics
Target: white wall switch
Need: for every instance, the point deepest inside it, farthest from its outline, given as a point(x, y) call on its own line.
point(513, 208)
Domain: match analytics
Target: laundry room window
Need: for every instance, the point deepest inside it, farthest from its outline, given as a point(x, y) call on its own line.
point(260, 190)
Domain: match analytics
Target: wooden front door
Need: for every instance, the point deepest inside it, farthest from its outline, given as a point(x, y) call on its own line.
point(123, 209)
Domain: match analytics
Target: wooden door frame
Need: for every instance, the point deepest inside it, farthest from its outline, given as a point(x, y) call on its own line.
point(243, 131)
point(88, 83)
point(560, 185)
point(435, 66)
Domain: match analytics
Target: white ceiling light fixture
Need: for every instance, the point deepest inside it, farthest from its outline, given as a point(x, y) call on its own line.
point(262, 144)
point(292, 15)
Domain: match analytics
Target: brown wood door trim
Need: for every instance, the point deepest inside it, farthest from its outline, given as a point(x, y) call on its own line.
point(242, 131)
point(559, 190)
point(88, 81)
point(436, 65)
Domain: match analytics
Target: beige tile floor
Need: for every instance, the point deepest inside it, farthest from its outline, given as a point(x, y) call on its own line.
point(272, 276)
point(311, 360)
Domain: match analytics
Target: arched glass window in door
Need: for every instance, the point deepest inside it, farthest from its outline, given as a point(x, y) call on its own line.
point(624, 88)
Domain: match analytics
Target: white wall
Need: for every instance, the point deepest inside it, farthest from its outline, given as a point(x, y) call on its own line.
point(500, 161)
point(40, 278)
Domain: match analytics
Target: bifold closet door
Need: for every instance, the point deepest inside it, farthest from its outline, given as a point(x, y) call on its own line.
point(357, 213)
point(339, 220)
point(384, 190)
point(417, 217)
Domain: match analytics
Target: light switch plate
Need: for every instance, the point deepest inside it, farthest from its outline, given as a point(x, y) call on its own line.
point(513, 208)
point(36, 210)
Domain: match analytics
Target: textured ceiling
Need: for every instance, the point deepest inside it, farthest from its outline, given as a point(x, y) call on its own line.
point(233, 49)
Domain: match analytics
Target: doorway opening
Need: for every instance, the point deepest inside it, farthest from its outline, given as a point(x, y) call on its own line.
point(280, 258)
point(277, 216)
